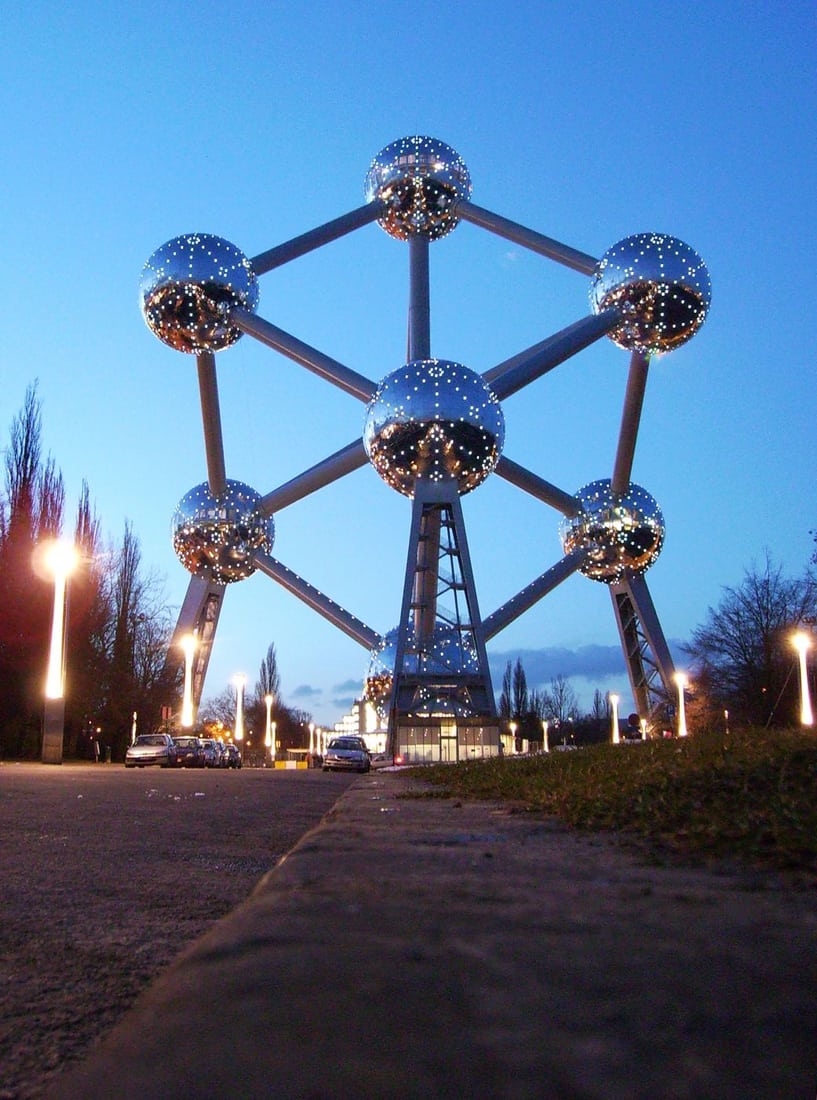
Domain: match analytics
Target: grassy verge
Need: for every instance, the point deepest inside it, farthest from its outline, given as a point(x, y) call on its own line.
point(751, 795)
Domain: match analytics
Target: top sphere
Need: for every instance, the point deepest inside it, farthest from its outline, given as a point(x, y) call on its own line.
point(420, 180)
point(188, 287)
point(434, 419)
point(661, 286)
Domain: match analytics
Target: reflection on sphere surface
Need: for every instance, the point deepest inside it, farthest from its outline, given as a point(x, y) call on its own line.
point(216, 537)
point(420, 180)
point(621, 533)
point(437, 420)
point(188, 287)
point(660, 285)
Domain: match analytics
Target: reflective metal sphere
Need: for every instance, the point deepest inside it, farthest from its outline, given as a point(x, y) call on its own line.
point(216, 537)
point(452, 655)
point(420, 180)
point(621, 532)
point(188, 287)
point(433, 419)
point(661, 286)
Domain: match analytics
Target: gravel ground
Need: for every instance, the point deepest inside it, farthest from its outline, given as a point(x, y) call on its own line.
point(108, 874)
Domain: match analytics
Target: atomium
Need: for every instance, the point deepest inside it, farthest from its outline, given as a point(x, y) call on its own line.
point(620, 532)
point(188, 287)
point(660, 285)
point(215, 537)
point(420, 180)
point(433, 419)
point(449, 657)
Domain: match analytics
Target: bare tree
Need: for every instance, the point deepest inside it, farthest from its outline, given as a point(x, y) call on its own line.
point(520, 690)
point(561, 702)
point(505, 696)
point(743, 651)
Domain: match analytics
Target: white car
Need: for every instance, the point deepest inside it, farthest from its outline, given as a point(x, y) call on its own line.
point(347, 754)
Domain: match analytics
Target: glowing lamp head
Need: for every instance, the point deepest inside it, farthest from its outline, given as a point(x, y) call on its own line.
point(681, 679)
point(61, 558)
point(619, 532)
point(660, 285)
point(188, 287)
point(436, 420)
point(420, 180)
point(216, 537)
point(801, 642)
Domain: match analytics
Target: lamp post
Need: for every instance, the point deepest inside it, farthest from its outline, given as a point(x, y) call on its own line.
point(239, 681)
point(268, 741)
point(188, 644)
point(545, 745)
point(682, 681)
point(802, 643)
point(513, 726)
point(311, 740)
point(614, 701)
point(61, 560)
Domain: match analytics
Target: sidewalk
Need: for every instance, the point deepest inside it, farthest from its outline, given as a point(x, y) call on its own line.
point(419, 947)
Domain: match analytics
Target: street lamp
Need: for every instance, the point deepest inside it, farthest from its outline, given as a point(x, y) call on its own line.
point(61, 560)
point(239, 681)
point(268, 741)
point(311, 739)
point(513, 726)
point(682, 681)
point(188, 644)
point(614, 701)
point(802, 643)
point(545, 745)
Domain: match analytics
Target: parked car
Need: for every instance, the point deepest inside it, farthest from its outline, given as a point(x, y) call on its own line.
point(233, 755)
point(212, 756)
point(151, 748)
point(189, 752)
point(347, 754)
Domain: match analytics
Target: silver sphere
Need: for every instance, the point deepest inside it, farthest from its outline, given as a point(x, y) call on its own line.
point(420, 180)
point(433, 419)
point(216, 537)
point(450, 656)
point(188, 287)
point(661, 286)
point(622, 533)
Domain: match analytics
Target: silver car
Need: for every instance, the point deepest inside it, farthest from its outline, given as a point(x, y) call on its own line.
point(347, 754)
point(151, 748)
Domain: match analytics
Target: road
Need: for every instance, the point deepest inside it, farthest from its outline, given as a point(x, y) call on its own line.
point(108, 874)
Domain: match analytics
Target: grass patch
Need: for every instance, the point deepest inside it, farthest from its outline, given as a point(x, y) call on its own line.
point(751, 795)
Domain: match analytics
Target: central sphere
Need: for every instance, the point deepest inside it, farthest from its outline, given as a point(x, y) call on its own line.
point(620, 532)
point(188, 287)
point(450, 655)
point(661, 286)
point(420, 180)
point(216, 537)
point(437, 420)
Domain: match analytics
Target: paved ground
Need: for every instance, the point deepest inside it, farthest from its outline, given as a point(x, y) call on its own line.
point(415, 947)
point(108, 874)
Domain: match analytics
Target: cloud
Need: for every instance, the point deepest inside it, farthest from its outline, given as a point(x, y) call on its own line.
point(541, 665)
point(306, 691)
point(349, 685)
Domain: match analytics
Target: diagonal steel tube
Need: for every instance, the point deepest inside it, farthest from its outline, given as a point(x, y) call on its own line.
point(317, 477)
point(338, 616)
point(315, 238)
point(543, 490)
point(630, 419)
point(322, 365)
point(528, 238)
point(211, 421)
point(508, 377)
point(525, 599)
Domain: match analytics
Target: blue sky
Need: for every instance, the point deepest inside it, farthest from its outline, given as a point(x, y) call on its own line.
point(126, 125)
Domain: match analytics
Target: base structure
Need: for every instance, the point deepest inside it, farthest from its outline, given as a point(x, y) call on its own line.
point(646, 653)
point(199, 617)
point(53, 731)
point(442, 704)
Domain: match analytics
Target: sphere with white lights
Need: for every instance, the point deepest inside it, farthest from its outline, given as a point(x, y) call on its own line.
point(215, 537)
point(448, 656)
point(436, 420)
point(420, 180)
point(620, 532)
point(188, 287)
point(660, 285)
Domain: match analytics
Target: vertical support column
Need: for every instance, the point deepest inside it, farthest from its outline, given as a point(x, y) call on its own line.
point(419, 311)
point(650, 666)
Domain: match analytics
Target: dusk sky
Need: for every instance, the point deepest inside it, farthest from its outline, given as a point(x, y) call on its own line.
point(125, 125)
